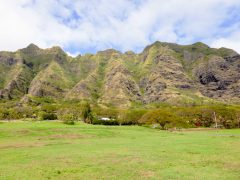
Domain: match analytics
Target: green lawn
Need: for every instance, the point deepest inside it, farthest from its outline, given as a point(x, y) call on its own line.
point(52, 150)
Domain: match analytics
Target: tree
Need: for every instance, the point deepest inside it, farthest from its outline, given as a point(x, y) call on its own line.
point(131, 116)
point(161, 117)
point(238, 119)
point(86, 112)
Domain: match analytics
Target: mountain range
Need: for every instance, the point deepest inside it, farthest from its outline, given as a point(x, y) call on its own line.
point(161, 73)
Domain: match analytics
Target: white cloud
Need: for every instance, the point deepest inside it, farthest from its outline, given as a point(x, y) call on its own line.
point(232, 42)
point(90, 25)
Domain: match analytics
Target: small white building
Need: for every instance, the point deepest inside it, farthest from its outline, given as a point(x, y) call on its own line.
point(104, 119)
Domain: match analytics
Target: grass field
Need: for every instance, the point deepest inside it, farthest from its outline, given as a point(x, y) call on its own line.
point(52, 150)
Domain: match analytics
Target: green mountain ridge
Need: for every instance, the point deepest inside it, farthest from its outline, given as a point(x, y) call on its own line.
point(161, 73)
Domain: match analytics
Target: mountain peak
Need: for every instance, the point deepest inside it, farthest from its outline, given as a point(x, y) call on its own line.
point(108, 51)
point(200, 45)
point(31, 49)
point(32, 46)
point(56, 49)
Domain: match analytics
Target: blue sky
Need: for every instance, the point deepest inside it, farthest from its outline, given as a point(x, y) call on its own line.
point(82, 26)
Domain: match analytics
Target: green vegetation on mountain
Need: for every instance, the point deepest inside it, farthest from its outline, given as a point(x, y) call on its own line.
point(197, 84)
point(162, 73)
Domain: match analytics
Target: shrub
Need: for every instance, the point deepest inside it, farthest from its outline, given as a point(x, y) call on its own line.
point(68, 119)
point(4, 113)
point(64, 112)
point(41, 100)
point(14, 113)
point(42, 115)
point(81, 111)
point(106, 112)
point(130, 117)
point(102, 122)
point(49, 108)
point(68, 115)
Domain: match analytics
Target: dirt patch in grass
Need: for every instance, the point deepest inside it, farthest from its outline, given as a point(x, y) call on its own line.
point(232, 165)
point(113, 158)
point(22, 145)
point(23, 131)
point(195, 129)
point(147, 174)
point(65, 136)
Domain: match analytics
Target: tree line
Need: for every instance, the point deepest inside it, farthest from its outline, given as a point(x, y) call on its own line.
point(165, 117)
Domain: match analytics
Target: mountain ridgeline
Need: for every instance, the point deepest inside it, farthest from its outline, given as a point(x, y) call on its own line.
point(162, 73)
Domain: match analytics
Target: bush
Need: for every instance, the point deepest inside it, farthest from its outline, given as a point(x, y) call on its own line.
point(46, 116)
point(81, 111)
point(106, 112)
point(35, 101)
point(102, 122)
point(49, 108)
point(65, 113)
point(68, 119)
point(4, 113)
point(130, 117)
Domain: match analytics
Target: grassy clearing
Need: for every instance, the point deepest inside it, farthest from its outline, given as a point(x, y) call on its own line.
point(52, 150)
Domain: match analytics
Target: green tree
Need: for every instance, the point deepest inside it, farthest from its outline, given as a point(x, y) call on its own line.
point(86, 112)
point(161, 117)
point(130, 117)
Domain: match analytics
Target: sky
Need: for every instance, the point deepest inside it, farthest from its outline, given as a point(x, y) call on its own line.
point(88, 26)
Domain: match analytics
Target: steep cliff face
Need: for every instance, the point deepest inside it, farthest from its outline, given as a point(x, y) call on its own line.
point(84, 89)
point(15, 76)
point(163, 72)
point(219, 77)
point(52, 81)
point(119, 86)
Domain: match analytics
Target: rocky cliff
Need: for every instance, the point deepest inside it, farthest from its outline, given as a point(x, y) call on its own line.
point(163, 72)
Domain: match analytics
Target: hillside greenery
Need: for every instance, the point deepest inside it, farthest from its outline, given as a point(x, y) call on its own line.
point(165, 115)
point(166, 85)
point(162, 73)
